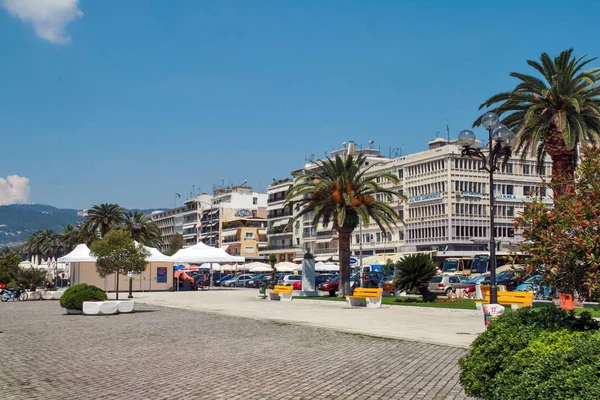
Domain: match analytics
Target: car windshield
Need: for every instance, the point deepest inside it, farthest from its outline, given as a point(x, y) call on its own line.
point(463, 279)
point(480, 263)
point(436, 279)
point(450, 266)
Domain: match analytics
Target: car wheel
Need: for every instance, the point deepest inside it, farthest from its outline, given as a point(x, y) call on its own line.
point(448, 291)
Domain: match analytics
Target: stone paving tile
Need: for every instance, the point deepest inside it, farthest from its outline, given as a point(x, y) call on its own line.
point(164, 353)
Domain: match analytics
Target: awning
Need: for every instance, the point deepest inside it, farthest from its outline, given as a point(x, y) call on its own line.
point(323, 240)
point(281, 222)
point(263, 244)
point(225, 247)
point(322, 258)
point(276, 206)
point(213, 212)
point(229, 233)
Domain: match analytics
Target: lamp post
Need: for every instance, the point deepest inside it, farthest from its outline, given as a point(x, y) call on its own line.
point(499, 142)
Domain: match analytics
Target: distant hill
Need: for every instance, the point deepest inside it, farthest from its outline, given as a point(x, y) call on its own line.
point(18, 221)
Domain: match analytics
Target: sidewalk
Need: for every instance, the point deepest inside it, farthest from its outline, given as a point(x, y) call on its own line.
point(456, 328)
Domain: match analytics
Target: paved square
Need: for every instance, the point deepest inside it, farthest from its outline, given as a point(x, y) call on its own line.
point(165, 353)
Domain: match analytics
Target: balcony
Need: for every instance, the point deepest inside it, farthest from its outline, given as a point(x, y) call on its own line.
point(283, 247)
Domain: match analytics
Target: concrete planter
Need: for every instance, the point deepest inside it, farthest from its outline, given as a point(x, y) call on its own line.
point(108, 307)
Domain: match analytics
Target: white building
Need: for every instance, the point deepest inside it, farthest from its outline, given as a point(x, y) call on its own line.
point(447, 207)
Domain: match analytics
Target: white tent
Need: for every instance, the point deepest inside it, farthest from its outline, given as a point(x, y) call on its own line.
point(155, 255)
point(327, 267)
point(285, 266)
point(81, 253)
point(258, 267)
point(201, 253)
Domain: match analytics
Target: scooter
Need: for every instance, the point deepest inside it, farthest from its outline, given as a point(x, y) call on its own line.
point(14, 294)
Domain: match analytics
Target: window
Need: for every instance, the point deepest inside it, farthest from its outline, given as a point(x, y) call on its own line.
point(510, 189)
point(378, 237)
point(249, 249)
point(401, 173)
point(255, 200)
point(249, 235)
point(526, 169)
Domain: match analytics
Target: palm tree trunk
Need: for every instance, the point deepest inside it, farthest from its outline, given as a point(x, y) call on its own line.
point(563, 161)
point(344, 254)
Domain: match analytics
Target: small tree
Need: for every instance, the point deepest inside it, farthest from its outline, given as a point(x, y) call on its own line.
point(31, 278)
point(564, 239)
point(414, 272)
point(9, 267)
point(117, 254)
point(175, 244)
point(273, 261)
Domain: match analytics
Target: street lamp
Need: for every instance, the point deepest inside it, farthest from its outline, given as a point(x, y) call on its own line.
point(499, 142)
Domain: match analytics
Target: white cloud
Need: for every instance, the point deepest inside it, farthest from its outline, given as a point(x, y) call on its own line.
point(14, 189)
point(48, 17)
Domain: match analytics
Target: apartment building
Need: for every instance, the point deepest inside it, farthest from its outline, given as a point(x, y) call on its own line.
point(169, 222)
point(446, 206)
point(279, 223)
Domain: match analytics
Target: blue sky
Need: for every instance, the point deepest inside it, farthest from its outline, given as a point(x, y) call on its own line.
point(132, 101)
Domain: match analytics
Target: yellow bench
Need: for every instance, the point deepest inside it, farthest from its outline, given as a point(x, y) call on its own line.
point(513, 299)
point(280, 292)
point(371, 296)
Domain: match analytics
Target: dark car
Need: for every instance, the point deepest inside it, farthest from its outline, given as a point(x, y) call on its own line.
point(256, 280)
point(219, 278)
point(506, 278)
point(322, 278)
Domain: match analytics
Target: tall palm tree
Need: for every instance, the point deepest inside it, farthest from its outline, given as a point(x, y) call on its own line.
point(38, 244)
point(84, 234)
point(104, 217)
point(554, 113)
point(142, 228)
point(342, 192)
point(69, 237)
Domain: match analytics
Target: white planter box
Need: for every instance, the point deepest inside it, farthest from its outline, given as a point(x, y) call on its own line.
point(56, 295)
point(108, 307)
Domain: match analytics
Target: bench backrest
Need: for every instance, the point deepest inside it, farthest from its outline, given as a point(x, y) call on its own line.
point(368, 292)
point(387, 287)
point(517, 298)
point(283, 289)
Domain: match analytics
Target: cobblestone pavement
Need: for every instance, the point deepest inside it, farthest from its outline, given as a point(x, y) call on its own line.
point(163, 353)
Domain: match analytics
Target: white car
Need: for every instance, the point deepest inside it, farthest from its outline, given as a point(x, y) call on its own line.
point(239, 280)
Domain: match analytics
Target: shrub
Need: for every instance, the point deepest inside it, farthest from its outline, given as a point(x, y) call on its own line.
point(414, 272)
point(493, 350)
point(563, 363)
point(74, 297)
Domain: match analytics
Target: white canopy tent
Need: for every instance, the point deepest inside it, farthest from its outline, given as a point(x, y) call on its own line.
point(286, 266)
point(81, 253)
point(327, 268)
point(201, 253)
point(258, 267)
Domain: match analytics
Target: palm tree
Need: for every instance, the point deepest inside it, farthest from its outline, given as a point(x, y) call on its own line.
point(414, 272)
point(68, 237)
point(142, 228)
point(104, 217)
point(38, 244)
point(31, 278)
point(84, 234)
point(554, 114)
point(341, 192)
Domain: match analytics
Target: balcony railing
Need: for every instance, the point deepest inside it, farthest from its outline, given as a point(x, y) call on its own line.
point(282, 247)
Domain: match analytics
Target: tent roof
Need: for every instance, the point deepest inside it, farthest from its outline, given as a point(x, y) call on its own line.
point(81, 253)
point(201, 253)
point(155, 254)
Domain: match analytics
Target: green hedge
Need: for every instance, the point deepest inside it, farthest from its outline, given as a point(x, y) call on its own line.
point(495, 350)
point(74, 296)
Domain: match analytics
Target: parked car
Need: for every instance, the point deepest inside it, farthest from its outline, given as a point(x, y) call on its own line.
point(445, 283)
point(506, 278)
point(470, 286)
point(533, 285)
point(297, 285)
point(332, 286)
point(256, 280)
point(287, 280)
point(238, 281)
point(221, 278)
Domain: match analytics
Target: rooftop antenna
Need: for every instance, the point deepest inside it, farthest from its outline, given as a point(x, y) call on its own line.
point(448, 129)
point(437, 134)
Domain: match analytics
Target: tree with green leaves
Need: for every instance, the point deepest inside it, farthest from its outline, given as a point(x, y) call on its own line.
point(31, 277)
point(413, 273)
point(175, 244)
point(273, 261)
point(142, 229)
point(104, 217)
point(342, 192)
point(116, 253)
point(553, 112)
point(9, 267)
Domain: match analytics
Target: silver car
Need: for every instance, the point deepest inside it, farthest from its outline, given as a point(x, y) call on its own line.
point(444, 284)
point(239, 280)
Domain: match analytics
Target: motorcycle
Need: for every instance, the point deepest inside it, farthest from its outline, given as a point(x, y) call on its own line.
point(15, 294)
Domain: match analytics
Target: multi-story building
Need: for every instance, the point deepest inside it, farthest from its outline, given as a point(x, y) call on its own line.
point(446, 207)
point(169, 222)
point(279, 218)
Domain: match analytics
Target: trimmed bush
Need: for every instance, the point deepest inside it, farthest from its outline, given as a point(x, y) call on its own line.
point(563, 364)
point(494, 349)
point(74, 296)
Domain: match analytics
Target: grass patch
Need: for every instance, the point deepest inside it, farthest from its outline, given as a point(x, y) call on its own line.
point(455, 304)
